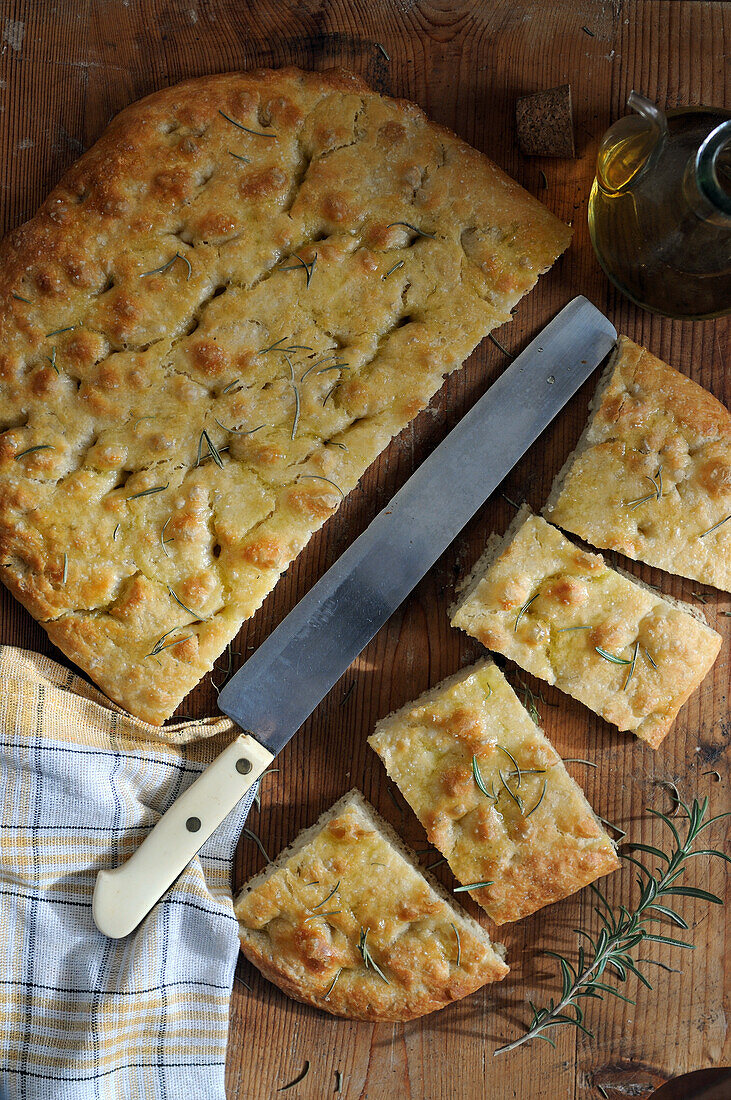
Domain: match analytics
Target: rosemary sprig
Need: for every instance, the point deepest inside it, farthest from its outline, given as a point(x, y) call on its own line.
point(114, 532)
point(168, 265)
point(715, 526)
point(325, 359)
point(408, 225)
point(512, 758)
point(543, 795)
point(480, 781)
point(296, 391)
point(623, 930)
point(161, 644)
point(611, 657)
point(383, 50)
point(394, 268)
point(317, 477)
point(213, 450)
point(57, 331)
point(196, 616)
point(632, 665)
point(149, 492)
point(494, 340)
point(515, 797)
point(309, 268)
point(332, 984)
point(459, 944)
point(251, 835)
point(52, 359)
point(163, 540)
point(524, 608)
point(333, 891)
point(367, 957)
point(471, 886)
point(65, 567)
point(19, 298)
point(648, 657)
point(238, 431)
point(656, 482)
point(237, 156)
point(32, 450)
point(306, 1068)
point(256, 133)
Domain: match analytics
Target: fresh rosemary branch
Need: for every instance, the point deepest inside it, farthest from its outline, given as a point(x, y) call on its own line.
point(459, 944)
point(716, 526)
point(317, 477)
point(196, 617)
point(415, 228)
point(32, 450)
point(166, 267)
point(611, 657)
point(367, 957)
point(309, 268)
point(256, 133)
point(623, 930)
point(656, 482)
point(524, 608)
point(394, 268)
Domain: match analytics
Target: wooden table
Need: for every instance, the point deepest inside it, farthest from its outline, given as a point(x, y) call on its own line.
point(66, 68)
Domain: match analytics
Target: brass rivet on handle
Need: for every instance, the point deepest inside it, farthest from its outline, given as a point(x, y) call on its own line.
point(193, 824)
point(243, 766)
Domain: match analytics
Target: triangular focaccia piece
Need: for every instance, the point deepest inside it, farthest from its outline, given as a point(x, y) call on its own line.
point(563, 615)
point(530, 833)
point(651, 474)
point(214, 324)
point(346, 920)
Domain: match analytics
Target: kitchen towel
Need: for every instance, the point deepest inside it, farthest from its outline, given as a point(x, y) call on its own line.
point(83, 1017)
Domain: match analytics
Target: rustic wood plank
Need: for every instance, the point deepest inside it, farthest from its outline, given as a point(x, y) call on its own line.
point(65, 70)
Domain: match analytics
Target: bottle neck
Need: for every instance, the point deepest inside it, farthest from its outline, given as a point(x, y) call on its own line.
point(707, 181)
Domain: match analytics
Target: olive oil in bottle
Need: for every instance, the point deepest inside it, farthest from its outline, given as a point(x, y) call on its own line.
point(660, 209)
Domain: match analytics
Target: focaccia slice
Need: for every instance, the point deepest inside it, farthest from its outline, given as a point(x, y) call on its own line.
point(651, 473)
point(493, 794)
point(563, 615)
point(346, 920)
point(217, 320)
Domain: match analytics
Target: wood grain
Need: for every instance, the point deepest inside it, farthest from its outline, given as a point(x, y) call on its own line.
point(65, 70)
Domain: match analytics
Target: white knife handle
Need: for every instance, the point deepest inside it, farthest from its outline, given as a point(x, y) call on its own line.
point(124, 896)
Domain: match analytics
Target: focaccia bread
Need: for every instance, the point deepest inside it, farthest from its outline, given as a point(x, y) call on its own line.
point(213, 325)
point(346, 920)
point(493, 794)
point(563, 615)
point(651, 473)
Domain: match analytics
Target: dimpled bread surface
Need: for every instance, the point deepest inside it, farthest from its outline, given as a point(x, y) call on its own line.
point(210, 329)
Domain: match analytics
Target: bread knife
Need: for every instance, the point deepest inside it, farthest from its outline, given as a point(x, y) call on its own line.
point(283, 681)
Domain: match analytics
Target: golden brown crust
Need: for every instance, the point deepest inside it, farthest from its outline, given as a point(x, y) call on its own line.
point(302, 921)
point(652, 424)
point(533, 837)
point(136, 310)
point(563, 615)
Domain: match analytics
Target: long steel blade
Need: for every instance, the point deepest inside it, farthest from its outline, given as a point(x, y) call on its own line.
point(288, 675)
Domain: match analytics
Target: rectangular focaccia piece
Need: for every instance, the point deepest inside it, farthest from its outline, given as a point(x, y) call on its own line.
point(493, 794)
point(217, 320)
point(563, 615)
point(651, 473)
point(346, 920)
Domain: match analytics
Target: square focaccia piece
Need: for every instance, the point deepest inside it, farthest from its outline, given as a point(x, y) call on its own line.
point(493, 794)
point(346, 920)
point(651, 474)
point(563, 615)
point(218, 319)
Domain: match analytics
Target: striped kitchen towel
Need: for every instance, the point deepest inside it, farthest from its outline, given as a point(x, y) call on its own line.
point(83, 1017)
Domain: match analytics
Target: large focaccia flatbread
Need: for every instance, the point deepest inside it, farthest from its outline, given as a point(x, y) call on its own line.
point(533, 836)
point(563, 615)
point(651, 474)
point(348, 892)
point(213, 325)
